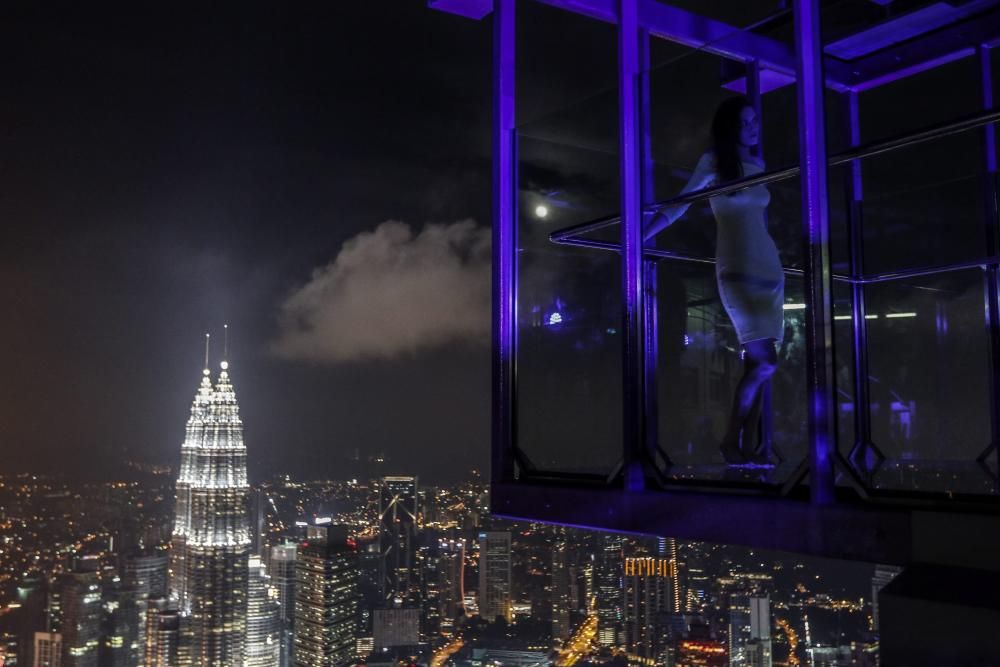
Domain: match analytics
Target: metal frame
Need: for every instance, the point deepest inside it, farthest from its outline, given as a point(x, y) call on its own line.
point(816, 240)
point(504, 242)
point(826, 520)
point(991, 277)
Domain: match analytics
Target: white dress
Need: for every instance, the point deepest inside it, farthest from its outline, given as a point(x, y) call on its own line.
point(747, 265)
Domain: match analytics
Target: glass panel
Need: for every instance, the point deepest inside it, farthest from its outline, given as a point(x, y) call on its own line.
point(569, 348)
point(923, 205)
point(939, 95)
point(920, 206)
point(928, 381)
point(699, 352)
point(569, 368)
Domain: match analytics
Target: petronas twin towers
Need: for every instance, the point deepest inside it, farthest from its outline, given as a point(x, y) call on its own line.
point(211, 539)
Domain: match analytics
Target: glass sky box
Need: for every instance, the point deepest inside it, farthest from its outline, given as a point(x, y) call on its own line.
point(613, 359)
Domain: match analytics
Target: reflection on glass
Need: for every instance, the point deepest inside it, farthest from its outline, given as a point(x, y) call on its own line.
point(569, 369)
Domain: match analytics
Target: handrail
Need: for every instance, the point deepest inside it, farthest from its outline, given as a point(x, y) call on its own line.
point(884, 277)
point(868, 150)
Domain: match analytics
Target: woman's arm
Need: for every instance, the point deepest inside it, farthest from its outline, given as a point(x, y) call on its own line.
point(704, 174)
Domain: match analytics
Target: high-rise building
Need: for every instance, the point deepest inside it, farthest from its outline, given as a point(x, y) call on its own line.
point(263, 623)
point(120, 623)
point(451, 569)
point(750, 631)
point(326, 598)
point(369, 583)
point(397, 537)
point(608, 572)
point(647, 585)
point(495, 598)
point(144, 576)
point(667, 547)
point(561, 591)
point(211, 539)
point(281, 568)
point(79, 617)
point(47, 650)
point(163, 641)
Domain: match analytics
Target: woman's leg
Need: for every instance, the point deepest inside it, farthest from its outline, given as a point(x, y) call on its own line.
point(760, 360)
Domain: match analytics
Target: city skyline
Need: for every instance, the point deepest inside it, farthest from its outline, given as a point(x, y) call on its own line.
point(712, 593)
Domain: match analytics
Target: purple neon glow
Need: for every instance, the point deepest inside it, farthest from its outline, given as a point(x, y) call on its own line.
point(816, 230)
point(504, 241)
point(630, 168)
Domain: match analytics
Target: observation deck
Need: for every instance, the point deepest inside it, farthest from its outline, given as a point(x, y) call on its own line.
point(614, 362)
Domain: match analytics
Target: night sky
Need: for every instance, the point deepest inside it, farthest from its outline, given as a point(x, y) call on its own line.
point(168, 173)
point(317, 175)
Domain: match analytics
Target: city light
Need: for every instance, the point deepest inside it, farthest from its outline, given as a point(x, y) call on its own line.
point(541, 211)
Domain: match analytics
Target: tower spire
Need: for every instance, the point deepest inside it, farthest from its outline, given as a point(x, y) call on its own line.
point(208, 337)
point(225, 347)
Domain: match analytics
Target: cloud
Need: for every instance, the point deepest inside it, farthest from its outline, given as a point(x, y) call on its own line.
point(391, 292)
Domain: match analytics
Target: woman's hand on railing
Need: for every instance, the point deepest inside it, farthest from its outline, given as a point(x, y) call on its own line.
point(653, 222)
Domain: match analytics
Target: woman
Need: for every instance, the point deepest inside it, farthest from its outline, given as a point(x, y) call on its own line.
point(748, 269)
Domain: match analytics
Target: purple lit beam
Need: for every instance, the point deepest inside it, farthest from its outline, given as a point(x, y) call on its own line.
point(633, 315)
point(755, 93)
point(504, 241)
point(699, 32)
point(859, 325)
point(919, 55)
point(470, 9)
point(651, 300)
point(816, 241)
point(965, 534)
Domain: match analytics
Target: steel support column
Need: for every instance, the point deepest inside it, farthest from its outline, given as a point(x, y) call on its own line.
point(816, 246)
point(991, 217)
point(756, 98)
point(651, 303)
point(862, 446)
point(633, 317)
point(504, 242)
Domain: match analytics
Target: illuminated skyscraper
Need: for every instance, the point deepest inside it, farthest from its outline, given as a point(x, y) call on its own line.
point(47, 649)
point(211, 538)
point(648, 601)
point(162, 635)
point(281, 568)
point(263, 624)
point(397, 536)
point(79, 619)
point(562, 602)
point(495, 576)
point(326, 598)
point(608, 574)
point(750, 631)
point(145, 577)
point(451, 569)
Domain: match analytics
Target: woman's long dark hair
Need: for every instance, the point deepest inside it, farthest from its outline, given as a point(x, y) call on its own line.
point(726, 138)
